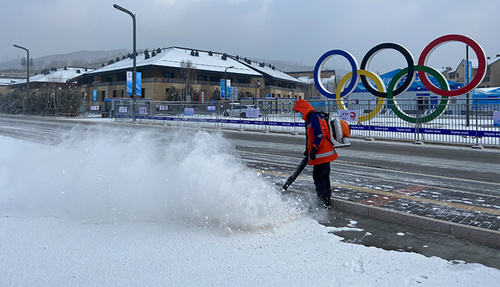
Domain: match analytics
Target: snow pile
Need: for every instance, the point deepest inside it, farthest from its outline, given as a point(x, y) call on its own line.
point(112, 207)
point(114, 175)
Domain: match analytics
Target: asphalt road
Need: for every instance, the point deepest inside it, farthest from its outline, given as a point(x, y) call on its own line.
point(453, 167)
point(456, 168)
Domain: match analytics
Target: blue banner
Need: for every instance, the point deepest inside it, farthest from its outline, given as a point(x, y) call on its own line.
point(138, 84)
point(228, 89)
point(129, 83)
point(467, 71)
point(222, 89)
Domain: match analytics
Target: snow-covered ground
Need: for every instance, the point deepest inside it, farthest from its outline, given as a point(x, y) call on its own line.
point(120, 208)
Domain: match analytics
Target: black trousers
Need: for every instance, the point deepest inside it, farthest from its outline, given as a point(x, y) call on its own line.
point(321, 177)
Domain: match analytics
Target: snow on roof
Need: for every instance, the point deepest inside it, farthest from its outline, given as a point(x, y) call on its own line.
point(310, 80)
point(274, 73)
point(475, 62)
point(174, 56)
point(305, 80)
point(202, 60)
point(61, 75)
point(493, 60)
point(444, 70)
point(9, 81)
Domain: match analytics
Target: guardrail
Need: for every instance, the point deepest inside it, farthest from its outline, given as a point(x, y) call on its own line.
point(472, 124)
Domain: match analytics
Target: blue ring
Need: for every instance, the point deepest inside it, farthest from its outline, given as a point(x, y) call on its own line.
point(319, 65)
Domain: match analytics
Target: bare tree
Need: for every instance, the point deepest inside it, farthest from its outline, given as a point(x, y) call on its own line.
point(188, 77)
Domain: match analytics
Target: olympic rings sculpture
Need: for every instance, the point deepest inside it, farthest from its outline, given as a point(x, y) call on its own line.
point(381, 92)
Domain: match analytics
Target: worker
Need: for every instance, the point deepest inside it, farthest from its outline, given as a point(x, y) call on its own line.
point(318, 148)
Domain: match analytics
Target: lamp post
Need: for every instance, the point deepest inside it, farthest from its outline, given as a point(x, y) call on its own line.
point(225, 84)
point(118, 7)
point(27, 69)
point(466, 81)
point(257, 85)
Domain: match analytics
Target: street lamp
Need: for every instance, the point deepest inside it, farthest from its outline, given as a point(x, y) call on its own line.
point(118, 7)
point(225, 85)
point(27, 68)
point(257, 85)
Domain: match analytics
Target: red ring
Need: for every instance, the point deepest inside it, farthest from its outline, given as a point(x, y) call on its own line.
point(478, 78)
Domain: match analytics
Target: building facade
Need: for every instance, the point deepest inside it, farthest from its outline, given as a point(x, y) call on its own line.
point(196, 75)
point(491, 79)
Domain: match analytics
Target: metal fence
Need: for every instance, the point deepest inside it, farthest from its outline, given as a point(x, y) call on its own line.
point(455, 123)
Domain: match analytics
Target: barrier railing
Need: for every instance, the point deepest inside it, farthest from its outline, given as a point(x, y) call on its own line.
point(458, 123)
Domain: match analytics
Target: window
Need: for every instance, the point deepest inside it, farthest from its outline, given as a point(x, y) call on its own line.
point(423, 103)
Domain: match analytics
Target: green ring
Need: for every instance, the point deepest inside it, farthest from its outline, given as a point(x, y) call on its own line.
point(442, 105)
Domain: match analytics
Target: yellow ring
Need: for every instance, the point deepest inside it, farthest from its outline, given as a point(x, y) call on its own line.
point(380, 87)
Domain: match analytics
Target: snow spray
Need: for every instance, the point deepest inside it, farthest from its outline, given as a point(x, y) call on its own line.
point(116, 174)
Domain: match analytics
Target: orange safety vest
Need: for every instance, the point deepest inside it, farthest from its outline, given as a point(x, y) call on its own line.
point(326, 152)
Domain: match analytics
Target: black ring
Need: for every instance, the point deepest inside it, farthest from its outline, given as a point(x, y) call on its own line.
point(411, 69)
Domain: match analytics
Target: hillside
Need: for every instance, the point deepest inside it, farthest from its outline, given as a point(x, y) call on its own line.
point(90, 59)
point(95, 59)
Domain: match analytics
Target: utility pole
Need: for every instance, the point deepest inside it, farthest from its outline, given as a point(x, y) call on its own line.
point(27, 71)
point(134, 74)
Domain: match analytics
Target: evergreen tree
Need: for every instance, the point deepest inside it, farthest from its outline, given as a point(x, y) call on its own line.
point(216, 95)
point(173, 95)
point(23, 62)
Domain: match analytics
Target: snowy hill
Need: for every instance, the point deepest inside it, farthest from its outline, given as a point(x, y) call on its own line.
point(94, 59)
point(91, 59)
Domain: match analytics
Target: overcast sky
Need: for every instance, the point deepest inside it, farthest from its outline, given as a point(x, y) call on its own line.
point(295, 30)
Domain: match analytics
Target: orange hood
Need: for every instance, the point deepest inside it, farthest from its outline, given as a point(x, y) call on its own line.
point(303, 107)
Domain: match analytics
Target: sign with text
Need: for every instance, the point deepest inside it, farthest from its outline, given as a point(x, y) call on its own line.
point(234, 93)
point(189, 112)
point(143, 111)
point(252, 113)
point(496, 118)
point(349, 115)
point(162, 107)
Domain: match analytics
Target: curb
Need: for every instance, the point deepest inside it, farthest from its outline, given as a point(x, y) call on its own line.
point(476, 234)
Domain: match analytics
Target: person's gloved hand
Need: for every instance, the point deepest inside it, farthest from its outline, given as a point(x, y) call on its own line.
point(306, 152)
point(313, 153)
